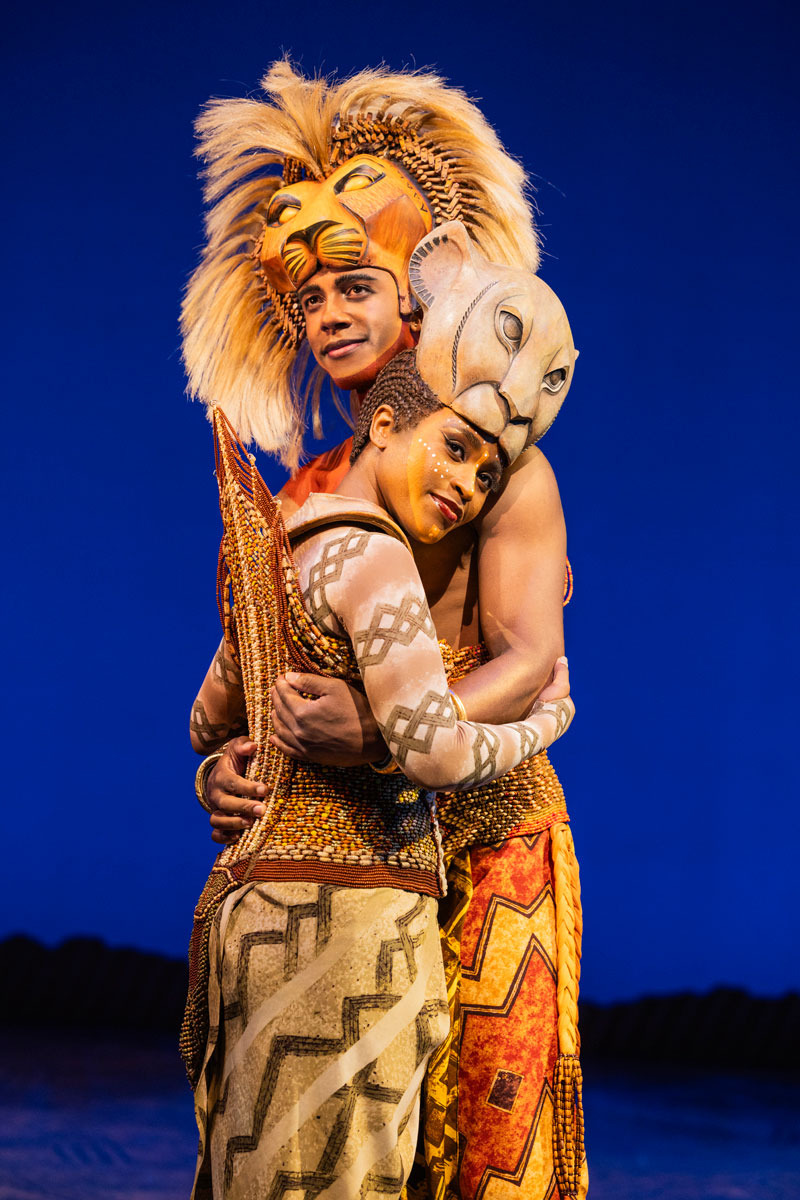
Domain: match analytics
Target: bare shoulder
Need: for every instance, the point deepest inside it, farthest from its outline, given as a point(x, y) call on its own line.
point(529, 493)
point(532, 470)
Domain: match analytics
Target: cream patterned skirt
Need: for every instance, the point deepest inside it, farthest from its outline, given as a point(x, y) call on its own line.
point(325, 1004)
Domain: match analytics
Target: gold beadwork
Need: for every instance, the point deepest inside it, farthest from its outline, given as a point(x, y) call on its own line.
point(348, 816)
point(525, 801)
point(568, 1125)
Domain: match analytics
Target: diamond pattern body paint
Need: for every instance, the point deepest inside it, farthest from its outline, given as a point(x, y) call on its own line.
point(368, 585)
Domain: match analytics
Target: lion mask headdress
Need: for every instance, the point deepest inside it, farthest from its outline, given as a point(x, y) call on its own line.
point(330, 174)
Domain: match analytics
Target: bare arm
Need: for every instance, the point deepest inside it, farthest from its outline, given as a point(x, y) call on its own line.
point(375, 595)
point(522, 553)
point(218, 712)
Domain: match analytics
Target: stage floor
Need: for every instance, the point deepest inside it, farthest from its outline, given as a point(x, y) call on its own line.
point(86, 1117)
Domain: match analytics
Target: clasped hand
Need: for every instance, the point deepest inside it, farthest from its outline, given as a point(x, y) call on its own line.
point(335, 728)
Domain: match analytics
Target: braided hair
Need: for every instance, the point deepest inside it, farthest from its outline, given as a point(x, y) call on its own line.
point(401, 387)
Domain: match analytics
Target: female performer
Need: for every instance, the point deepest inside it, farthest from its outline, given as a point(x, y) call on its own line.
point(317, 936)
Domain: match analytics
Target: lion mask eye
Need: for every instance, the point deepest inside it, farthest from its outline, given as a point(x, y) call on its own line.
point(357, 179)
point(282, 210)
point(510, 327)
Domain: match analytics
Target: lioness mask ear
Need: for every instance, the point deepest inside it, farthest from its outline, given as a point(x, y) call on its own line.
point(441, 260)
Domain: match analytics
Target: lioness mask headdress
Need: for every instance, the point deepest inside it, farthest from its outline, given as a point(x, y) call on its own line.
point(369, 166)
point(495, 346)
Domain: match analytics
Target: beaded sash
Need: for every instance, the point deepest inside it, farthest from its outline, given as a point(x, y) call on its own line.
point(339, 825)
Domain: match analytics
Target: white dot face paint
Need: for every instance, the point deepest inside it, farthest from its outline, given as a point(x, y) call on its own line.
point(440, 475)
point(437, 475)
point(422, 460)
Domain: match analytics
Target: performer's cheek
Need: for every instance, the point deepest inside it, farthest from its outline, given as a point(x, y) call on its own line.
point(402, 341)
point(397, 337)
point(420, 470)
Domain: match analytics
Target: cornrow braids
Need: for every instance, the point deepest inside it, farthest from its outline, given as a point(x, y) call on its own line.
point(400, 386)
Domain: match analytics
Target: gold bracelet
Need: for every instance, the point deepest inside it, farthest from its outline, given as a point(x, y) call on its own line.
point(458, 705)
point(385, 765)
point(200, 778)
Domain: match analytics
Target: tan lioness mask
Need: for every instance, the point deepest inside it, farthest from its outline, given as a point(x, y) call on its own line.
point(496, 345)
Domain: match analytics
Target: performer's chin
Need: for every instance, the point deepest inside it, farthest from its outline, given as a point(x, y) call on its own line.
point(362, 374)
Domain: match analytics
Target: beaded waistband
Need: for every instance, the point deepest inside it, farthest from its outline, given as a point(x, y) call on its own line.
point(525, 801)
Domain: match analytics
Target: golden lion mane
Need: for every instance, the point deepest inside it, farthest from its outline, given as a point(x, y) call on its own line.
point(235, 351)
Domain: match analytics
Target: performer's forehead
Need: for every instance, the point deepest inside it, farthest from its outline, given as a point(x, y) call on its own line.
point(342, 279)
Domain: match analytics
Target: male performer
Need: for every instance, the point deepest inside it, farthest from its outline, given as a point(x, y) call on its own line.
point(369, 167)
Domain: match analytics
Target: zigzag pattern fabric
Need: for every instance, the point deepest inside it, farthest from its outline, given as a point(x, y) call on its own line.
point(325, 1005)
point(488, 1130)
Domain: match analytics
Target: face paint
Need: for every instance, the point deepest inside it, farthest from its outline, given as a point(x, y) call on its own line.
point(438, 475)
point(423, 464)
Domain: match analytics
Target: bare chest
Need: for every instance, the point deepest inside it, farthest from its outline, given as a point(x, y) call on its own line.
point(449, 573)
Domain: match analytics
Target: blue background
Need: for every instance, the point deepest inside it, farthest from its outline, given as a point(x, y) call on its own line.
point(661, 140)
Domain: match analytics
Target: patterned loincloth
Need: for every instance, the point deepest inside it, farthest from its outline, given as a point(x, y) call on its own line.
point(325, 1004)
point(489, 1101)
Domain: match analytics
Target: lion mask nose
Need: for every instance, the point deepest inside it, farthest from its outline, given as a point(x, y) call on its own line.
point(323, 244)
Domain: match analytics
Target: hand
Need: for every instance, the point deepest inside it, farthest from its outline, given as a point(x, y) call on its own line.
point(336, 729)
point(236, 801)
point(558, 687)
